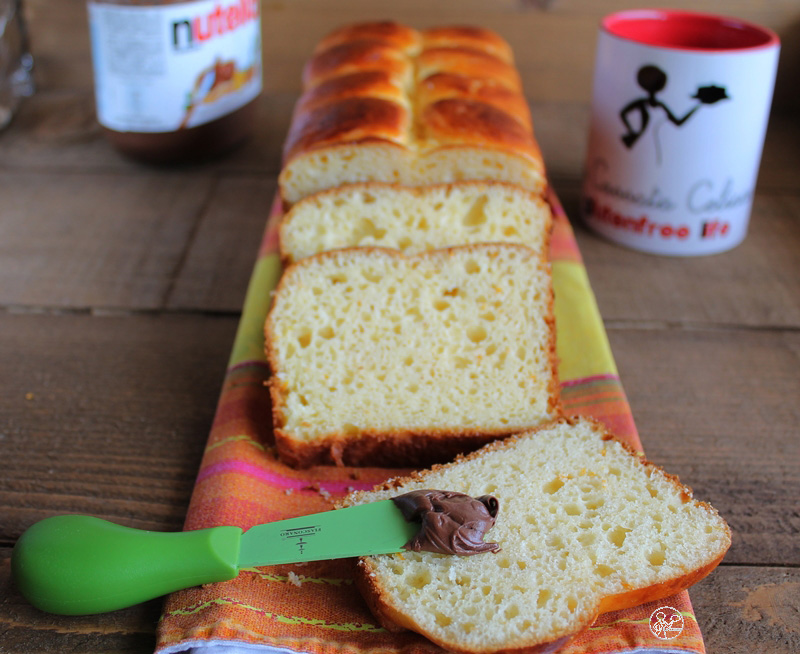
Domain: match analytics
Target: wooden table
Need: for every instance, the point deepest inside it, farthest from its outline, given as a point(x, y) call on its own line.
point(121, 286)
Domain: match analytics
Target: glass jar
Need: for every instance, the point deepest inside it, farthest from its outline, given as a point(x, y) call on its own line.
point(176, 81)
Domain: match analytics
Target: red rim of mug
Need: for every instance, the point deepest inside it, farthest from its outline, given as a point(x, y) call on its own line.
point(688, 30)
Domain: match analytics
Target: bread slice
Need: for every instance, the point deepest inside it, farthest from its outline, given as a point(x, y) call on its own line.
point(384, 102)
point(415, 219)
point(585, 526)
point(384, 359)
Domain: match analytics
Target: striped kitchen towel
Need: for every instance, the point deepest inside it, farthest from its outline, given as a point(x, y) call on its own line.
point(314, 608)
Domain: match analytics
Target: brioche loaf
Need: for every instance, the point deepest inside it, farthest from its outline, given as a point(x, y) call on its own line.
point(384, 102)
point(584, 525)
point(383, 359)
point(415, 219)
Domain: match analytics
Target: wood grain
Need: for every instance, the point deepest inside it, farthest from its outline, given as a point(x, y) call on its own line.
point(106, 415)
point(742, 608)
point(716, 408)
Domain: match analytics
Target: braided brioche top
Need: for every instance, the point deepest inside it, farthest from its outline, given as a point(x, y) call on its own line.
point(419, 91)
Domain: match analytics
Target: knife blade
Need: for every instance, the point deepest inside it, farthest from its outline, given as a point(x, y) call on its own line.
point(81, 565)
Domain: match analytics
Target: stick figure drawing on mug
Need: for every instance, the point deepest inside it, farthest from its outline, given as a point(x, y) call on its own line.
point(652, 79)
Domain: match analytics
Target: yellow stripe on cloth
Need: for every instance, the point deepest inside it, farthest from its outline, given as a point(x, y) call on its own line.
point(581, 341)
point(249, 342)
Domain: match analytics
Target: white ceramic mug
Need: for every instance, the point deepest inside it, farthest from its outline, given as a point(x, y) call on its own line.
point(679, 112)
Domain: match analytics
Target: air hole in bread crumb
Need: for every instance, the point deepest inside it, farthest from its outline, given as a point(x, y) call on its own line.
point(510, 231)
point(603, 570)
point(476, 216)
point(472, 267)
point(420, 579)
point(443, 620)
point(304, 337)
point(553, 486)
point(617, 536)
point(572, 604)
point(657, 557)
point(371, 275)
point(441, 305)
point(477, 334)
point(572, 509)
point(543, 597)
point(327, 332)
point(511, 612)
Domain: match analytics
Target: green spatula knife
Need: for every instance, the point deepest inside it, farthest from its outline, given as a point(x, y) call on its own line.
point(79, 565)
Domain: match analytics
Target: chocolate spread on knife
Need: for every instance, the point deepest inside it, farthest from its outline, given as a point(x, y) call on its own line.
point(451, 522)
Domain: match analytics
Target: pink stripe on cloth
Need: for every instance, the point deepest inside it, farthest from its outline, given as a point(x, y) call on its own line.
point(589, 380)
point(276, 479)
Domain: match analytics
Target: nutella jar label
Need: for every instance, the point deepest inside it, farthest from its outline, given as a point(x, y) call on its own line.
point(170, 67)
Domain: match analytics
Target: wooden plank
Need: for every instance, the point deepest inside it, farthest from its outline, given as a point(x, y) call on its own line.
point(219, 263)
point(754, 285)
point(106, 415)
point(95, 240)
point(719, 408)
point(744, 609)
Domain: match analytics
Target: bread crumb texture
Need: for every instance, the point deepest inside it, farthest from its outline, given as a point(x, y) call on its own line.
point(415, 219)
point(581, 518)
point(368, 339)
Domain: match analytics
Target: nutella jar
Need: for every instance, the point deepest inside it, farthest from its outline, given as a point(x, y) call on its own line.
point(176, 81)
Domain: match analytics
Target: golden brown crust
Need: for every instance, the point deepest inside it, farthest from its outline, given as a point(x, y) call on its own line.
point(468, 36)
point(356, 57)
point(389, 32)
point(451, 86)
point(447, 85)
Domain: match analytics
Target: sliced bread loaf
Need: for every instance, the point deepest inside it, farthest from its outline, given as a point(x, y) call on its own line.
point(384, 359)
point(414, 219)
point(584, 525)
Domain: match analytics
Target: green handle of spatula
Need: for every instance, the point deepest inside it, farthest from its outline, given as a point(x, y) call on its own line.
point(80, 565)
